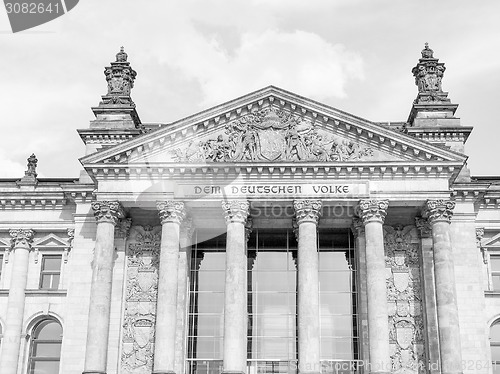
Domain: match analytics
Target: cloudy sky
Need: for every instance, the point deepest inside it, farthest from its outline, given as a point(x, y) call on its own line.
point(355, 55)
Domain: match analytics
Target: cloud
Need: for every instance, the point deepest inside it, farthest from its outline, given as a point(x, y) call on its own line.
point(10, 168)
point(299, 61)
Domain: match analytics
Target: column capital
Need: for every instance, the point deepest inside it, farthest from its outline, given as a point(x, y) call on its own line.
point(307, 210)
point(357, 227)
point(236, 210)
point(108, 211)
point(438, 210)
point(21, 238)
point(423, 227)
point(171, 211)
point(371, 210)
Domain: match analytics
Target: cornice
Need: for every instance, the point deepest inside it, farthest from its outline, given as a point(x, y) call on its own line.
point(441, 133)
point(282, 170)
point(55, 197)
point(107, 136)
point(377, 135)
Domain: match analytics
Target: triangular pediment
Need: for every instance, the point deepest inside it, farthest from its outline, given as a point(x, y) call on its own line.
point(271, 126)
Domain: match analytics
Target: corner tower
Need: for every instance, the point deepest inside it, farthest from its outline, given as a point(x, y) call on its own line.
point(116, 115)
point(432, 116)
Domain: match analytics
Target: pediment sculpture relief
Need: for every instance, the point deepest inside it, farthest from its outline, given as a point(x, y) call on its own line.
point(270, 135)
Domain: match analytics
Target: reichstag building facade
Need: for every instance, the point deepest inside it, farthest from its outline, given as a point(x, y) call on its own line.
point(269, 234)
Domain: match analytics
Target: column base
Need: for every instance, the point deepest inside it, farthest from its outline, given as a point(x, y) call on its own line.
point(163, 372)
point(94, 372)
point(380, 372)
point(233, 372)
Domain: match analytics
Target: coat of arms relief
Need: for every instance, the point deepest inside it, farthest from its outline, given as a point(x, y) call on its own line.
point(272, 135)
point(140, 300)
point(404, 300)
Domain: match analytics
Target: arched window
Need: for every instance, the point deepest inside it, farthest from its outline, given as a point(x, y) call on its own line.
point(495, 346)
point(45, 348)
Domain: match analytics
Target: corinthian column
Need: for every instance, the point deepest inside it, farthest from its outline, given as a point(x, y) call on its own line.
point(438, 214)
point(372, 213)
point(107, 214)
point(235, 292)
point(11, 342)
point(171, 213)
point(307, 213)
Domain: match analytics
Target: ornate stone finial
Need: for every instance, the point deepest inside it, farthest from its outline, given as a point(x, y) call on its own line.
point(428, 75)
point(171, 211)
point(357, 227)
point(120, 77)
point(427, 52)
point(372, 210)
point(108, 211)
point(438, 210)
point(307, 210)
point(423, 227)
point(122, 56)
point(236, 211)
point(21, 238)
point(30, 174)
point(32, 163)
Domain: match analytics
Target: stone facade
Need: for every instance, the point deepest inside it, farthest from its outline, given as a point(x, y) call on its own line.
point(425, 235)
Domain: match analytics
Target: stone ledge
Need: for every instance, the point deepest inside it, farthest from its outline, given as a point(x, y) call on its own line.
point(39, 292)
point(492, 293)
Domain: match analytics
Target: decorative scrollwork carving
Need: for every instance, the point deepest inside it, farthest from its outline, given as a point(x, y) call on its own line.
point(21, 238)
point(307, 211)
point(140, 300)
point(236, 211)
point(372, 210)
point(270, 135)
point(423, 226)
point(428, 75)
point(171, 211)
point(404, 300)
point(108, 211)
point(438, 211)
point(357, 227)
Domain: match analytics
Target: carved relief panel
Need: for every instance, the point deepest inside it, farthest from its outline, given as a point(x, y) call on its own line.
point(404, 300)
point(140, 300)
point(272, 135)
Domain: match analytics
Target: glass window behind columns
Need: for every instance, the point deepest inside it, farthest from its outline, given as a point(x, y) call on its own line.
point(206, 304)
point(272, 285)
point(337, 278)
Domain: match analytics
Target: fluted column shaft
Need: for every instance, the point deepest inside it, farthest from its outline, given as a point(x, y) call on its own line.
point(307, 213)
point(372, 213)
point(171, 213)
point(235, 292)
point(107, 214)
point(11, 342)
point(439, 213)
point(186, 234)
